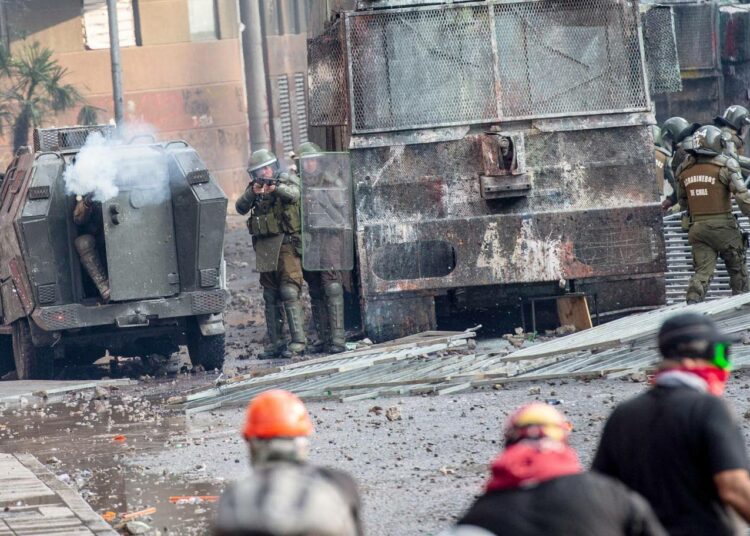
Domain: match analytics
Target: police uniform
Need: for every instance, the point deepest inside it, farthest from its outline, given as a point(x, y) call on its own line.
point(326, 286)
point(275, 225)
point(706, 187)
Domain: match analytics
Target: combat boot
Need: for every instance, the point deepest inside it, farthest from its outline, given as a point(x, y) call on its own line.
point(295, 316)
point(274, 326)
point(335, 305)
point(320, 317)
point(86, 247)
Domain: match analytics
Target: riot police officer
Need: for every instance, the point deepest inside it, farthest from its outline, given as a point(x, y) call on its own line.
point(88, 218)
point(664, 177)
point(733, 123)
point(674, 132)
point(325, 286)
point(273, 201)
point(707, 179)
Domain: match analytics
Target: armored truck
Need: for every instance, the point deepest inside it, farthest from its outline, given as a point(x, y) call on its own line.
point(158, 242)
point(500, 153)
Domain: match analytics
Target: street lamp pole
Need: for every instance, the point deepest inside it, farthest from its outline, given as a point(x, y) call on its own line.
point(114, 50)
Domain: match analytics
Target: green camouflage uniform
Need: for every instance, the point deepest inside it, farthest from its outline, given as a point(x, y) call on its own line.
point(276, 217)
point(706, 185)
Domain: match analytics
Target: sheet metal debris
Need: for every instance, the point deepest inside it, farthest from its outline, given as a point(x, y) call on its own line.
point(680, 261)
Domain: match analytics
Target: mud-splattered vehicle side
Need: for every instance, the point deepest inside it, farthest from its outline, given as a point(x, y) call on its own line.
point(163, 259)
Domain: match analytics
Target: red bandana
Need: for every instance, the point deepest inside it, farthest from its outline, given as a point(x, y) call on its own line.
point(530, 462)
point(715, 378)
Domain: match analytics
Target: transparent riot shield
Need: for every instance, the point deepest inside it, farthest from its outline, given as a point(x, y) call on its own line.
point(327, 212)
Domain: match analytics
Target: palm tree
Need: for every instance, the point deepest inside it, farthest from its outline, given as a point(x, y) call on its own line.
point(35, 88)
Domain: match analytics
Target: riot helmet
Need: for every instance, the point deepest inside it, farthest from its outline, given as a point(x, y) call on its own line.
point(695, 336)
point(707, 140)
point(261, 159)
point(676, 129)
point(308, 149)
point(735, 117)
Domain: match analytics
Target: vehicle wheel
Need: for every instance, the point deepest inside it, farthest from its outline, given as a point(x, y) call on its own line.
point(32, 363)
point(6, 355)
point(207, 351)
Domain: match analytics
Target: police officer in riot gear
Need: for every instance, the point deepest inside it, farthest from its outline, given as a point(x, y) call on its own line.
point(272, 200)
point(707, 180)
point(88, 218)
point(663, 160)
point(326, 287)
point(674, 132)
point(733, 122)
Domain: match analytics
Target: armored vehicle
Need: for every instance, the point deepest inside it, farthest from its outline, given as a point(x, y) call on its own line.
point(159, 241)
point(500, 153)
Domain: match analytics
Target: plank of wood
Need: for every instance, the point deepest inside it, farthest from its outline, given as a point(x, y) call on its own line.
point(574, 311)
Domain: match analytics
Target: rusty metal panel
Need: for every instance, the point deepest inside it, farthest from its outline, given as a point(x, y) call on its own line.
point(326, 74)
point(696, 28)
point(463, 64)
point(591, 211)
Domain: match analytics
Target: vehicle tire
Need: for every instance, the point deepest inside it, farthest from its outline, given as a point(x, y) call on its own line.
point(207, 351)
point(32, 363)
point(6, 355)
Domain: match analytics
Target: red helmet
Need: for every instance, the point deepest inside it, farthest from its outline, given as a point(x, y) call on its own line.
point(276, 413)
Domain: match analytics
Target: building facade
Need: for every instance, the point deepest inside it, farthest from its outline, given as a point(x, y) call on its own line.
point(184, 70)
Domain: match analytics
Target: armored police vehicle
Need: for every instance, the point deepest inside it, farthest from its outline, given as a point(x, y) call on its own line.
point(149, 276)
point(500, 153)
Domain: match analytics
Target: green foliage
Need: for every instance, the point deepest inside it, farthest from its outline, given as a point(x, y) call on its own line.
point(34, 87)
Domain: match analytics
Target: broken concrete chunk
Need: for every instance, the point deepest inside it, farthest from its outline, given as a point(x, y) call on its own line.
point(393, 413)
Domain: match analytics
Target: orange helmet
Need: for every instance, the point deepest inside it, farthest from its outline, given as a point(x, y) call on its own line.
point(535, 421)
point(276, 413)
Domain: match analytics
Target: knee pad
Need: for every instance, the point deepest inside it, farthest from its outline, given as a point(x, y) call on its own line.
point(333, 289)
point(289, 292)
point(85, 243)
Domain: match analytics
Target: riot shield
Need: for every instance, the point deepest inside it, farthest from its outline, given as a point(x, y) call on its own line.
point(327, 212)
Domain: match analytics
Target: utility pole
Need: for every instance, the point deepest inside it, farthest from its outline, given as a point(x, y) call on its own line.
point(114, 51)
point(255, 75)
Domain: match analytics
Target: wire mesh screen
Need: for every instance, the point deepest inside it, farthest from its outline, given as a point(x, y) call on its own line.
point(470, 63)
point(61, 139)
point(695, 27)
point(661, 50)
point(568, 57)
point(327, 94)
point(421, 67)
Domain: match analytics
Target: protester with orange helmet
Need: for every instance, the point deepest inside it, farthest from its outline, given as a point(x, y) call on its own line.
point(537, 487)
point(285, 495)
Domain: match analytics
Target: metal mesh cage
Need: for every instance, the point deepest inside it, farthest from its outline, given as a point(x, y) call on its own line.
point(569, 57)
point(661, 50)
point(61, 139)
point(327, 94)
point(472, 63)
point(421, 67)
point(696, 30)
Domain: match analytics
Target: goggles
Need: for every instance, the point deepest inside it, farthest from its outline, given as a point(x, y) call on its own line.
point(720, 356)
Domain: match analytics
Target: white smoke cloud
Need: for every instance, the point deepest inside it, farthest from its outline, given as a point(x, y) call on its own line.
point(104, 167)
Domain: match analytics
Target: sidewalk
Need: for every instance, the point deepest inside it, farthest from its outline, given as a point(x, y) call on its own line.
point(34, 501)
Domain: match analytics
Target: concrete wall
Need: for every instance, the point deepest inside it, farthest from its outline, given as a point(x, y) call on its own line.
point(188, 90)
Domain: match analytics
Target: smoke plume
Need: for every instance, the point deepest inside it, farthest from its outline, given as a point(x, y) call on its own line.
point(105, 167)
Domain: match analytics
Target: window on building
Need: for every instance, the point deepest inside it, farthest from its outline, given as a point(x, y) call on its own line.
point(204, 25)
point(96, 24)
